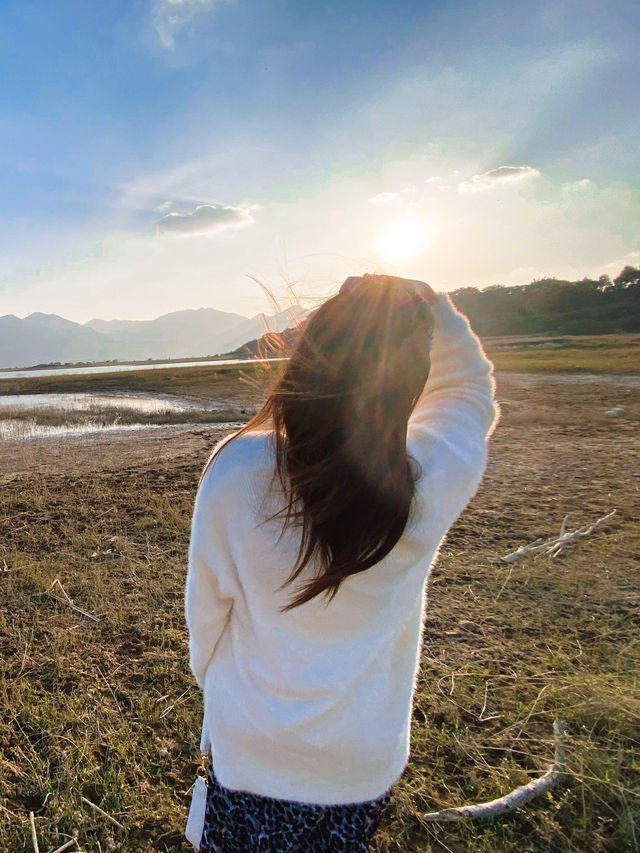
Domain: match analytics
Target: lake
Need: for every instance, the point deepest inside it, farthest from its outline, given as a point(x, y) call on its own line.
point(32, 416)
point(26, 373)
point(28, 416)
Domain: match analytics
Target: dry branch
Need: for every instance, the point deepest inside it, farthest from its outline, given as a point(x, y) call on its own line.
point(64, 599)
point(67, 846)
point(34, 836)
point(103, 813)
point(554, 546)
point(516, 798)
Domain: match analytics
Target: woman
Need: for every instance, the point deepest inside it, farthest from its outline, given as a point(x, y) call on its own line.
point(313, 533)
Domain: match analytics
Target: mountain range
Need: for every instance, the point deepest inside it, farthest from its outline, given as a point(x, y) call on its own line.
point(45, 338)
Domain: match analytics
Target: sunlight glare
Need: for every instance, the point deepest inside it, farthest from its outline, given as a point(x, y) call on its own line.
point(403, 239)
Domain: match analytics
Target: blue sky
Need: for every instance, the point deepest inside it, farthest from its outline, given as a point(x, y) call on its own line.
point(155, 153)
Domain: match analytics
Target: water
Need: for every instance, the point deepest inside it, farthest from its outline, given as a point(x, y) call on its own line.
point(118, 368)
point(87, 403)
point(28, 416)
point(17, 430)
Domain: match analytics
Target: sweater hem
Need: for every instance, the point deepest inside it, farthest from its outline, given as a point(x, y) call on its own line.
point(331, 794)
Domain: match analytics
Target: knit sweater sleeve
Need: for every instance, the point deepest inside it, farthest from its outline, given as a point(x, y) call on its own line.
point(456, 411)
point(208, 595)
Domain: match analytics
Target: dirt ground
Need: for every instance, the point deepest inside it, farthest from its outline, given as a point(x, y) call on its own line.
point(532, 403)
point(543, 420)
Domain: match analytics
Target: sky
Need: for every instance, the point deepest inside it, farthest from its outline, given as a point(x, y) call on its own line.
point(158, 155)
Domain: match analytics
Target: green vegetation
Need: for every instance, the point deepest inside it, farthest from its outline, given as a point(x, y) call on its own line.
point(551, 306)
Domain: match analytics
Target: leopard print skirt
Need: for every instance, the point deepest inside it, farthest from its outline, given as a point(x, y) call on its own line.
point(240, 822)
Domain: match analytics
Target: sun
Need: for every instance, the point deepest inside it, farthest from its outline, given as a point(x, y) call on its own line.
point(403, 239)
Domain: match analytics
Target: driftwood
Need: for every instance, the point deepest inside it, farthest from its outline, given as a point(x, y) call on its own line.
point(516, 798)
point(103, 813)
point(64, 599)
point(554, 546)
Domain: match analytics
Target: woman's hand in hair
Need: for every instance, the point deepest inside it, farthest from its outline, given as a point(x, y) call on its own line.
point(422, 289)
point(358, 283)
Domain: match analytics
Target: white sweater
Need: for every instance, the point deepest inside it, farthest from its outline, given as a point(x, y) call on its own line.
point(314, 704)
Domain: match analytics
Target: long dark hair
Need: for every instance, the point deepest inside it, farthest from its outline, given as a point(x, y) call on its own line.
point(339, 413)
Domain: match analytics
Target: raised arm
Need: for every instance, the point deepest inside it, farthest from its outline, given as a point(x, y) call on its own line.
point(459, 393)
point(454, 415)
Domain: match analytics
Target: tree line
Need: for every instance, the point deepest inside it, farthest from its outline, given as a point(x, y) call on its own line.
point(547, 306)
point(554, 306)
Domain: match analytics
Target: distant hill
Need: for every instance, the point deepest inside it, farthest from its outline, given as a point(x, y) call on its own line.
point(182, 333)
point(44, 338)
point(545, 307)
point(266, 346)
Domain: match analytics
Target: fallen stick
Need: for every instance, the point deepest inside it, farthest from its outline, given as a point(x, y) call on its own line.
point(103, 813)
point(66, 600)
point(552, 547)
point(520, 552)
point(567, 538)
point(516, 798)
point(67, 846)
point(75, 607)
point(34, 836)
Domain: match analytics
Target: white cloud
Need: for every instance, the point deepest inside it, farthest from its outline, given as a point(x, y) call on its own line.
point(315, 238)
point(234, 166)
point(204, 219)
point(169, 17)
point(381, 198)
point(581, 185)
point(501, 175)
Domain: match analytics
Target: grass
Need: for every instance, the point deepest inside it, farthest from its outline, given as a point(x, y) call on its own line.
point(83, 705)
point(124, 416)
point(246, 383)
point(576, 353)
point(239, 382)
point(108, 710)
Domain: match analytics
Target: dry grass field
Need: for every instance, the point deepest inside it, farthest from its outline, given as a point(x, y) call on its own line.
point(107, 710)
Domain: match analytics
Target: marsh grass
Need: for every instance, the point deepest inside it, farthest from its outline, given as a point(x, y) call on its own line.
point(29, 416)
point(96, 418)
point(108, 710)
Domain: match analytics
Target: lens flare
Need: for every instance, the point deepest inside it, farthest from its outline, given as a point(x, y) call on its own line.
point(403, 239)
